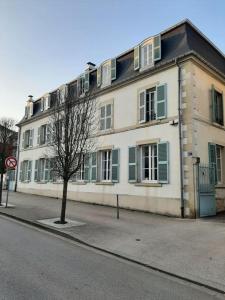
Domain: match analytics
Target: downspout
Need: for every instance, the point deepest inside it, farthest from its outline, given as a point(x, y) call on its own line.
point(17, 157)
point(180, 141)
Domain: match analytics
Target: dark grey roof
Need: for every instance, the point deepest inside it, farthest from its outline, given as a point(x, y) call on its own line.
point(177, 41)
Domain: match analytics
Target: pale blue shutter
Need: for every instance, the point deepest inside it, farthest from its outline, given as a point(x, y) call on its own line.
point(86, 167)
point(163, 162)
point(93, 166)
point(157, 47)
point(113, 69)
point(48, 133)
point(136, 58)
point(23, 140)
point(161, 101)
point(21, 171)
point(36, 171)
point(49, 101)
point(132, 164)
point(142, 107)
point(115, 165)
point(99, 76)
point(46, 170)
point(29, 171)
point(31, 137)
point(86, 82)
point(38, 136)
point(212, 162)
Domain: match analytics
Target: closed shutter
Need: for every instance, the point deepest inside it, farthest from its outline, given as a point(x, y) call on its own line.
point(49, 101)
point(48, 133)
point(86, 167)
point(46, 171)
point(136, 58)
point(115, 165)
point(36, 170)
point(94, 166)
point(21, 171)
point(86, 81)
point(29, 171)
point(113, 69)
point(23, 140)
point(161, 101)
point(51, 167)
point(142, 107)
point(163, 157)
point(31, 136)
point(99, 76)
point(213, 103)
point(38, 136)
point(157, 47)
point(132, 164)
point(212, 162)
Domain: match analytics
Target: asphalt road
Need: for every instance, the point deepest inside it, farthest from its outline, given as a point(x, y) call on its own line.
point(38, 265)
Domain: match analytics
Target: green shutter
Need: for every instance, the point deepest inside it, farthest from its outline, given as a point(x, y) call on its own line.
point(163, 157)
point(161, 101)
point(115, 165)
point(21, 171)
point(86, 167)
point(31, 138)
point(46, 171)
point(86, 82)
point(157, 47)
point(36, 170)
point(23, 140)
point(99, 76)
point(29, 172)
point(136, 58)
point(213, 103)
point(113, 69)
point(132, 164)
point(142, 107)
point(38, 136)
point(94, 166)
point(212, 160)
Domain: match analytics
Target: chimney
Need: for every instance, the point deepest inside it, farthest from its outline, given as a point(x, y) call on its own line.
point(90, 66)
point(30, 98)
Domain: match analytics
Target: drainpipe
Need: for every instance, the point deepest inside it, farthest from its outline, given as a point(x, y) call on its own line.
point(18, 156)
point(180, 142)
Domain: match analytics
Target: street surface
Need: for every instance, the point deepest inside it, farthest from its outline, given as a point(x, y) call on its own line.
point(38, 265)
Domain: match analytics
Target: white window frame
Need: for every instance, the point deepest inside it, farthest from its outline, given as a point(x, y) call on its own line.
point(105, 117)
point(150, 163)
point(108, 166)
point(146, 92)
point(82, 85)
point(150, 58)
point(106, 74)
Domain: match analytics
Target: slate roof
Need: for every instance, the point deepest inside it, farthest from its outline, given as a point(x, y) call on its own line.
point(177, 41)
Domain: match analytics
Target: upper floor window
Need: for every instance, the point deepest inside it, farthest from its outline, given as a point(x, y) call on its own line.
point(106, 117)
point(43, 134)
point(106, 73)
point(27, 138)
point(153, 104)
point(217, 106)
point(83, 83)
point(147, 55)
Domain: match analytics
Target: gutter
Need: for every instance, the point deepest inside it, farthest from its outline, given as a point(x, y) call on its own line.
point(180, 142)
point(17, 156)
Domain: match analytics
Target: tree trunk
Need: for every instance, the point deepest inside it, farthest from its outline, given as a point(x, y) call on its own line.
point(64, 199)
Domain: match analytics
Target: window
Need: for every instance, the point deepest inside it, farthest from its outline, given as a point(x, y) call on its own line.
point(27, 139)
point(81, 85)
point(219, 164)
point(215, 161)
point(43, 134)
point(147, 55)
point(106, 74)
point(79, 176)
point(149, 166)
point(153, 103)
point(43, 169)
point(217, 106)
point(106, 165)
point(106, 117)
point(25, 170)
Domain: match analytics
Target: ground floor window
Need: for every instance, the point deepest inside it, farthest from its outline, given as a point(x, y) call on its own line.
point(149, 163)
point(219, 163)
point(43, 170)
point(25, 170)
point(106, 165)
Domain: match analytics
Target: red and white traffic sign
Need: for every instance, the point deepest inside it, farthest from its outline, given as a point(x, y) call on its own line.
point(10, 162)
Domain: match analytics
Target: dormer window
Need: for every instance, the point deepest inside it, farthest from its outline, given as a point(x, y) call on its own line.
point(45, 102)
point(147, 59)
point(106, 73)
point(83, 83)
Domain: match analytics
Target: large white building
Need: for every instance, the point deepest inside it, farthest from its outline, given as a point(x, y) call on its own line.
point(161, 111)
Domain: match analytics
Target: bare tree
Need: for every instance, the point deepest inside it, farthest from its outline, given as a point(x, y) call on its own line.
point(7, 140)
point(72, 126)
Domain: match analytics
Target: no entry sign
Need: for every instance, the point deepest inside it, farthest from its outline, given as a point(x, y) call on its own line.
point(10, 162)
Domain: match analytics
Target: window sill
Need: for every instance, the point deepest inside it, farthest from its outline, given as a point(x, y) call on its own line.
point(104, 183)
point(148, 184)
point(78, 182)
point(220, 186)
point(25, 181)
point(142, 69)
point(218, 125)
point(41, 182)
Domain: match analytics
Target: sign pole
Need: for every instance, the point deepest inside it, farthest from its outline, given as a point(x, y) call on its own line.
point(10, 164)
point(7, 194)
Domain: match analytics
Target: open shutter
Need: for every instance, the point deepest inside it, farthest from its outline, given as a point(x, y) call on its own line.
point(99, 76)
point(212, 162)
point(115, 165)
point(94, 166)
point(86, 81)
point(49, 101)
point(21, 171)
point(31, 137)
point(23, 140)
point(38, 136)
point(213, 103)
point(132, 164)
point(36, 170)
point(86, 167)
point(142, 107)
point(47, 168)
point(157, 47)
point(29, 171)
point(42, 104)
point(136, 58)
point(113, 69)
point(161, 101)
point(163, 157)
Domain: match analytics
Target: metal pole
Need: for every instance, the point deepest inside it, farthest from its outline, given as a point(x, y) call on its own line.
point(7, 194)
point(117, 206)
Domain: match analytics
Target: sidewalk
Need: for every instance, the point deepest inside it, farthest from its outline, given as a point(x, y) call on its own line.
point(193, 249)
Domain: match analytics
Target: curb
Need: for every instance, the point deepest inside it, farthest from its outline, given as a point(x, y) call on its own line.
point(67, 236)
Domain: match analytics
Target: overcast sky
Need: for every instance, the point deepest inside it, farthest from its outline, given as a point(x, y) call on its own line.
point(45, 43)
